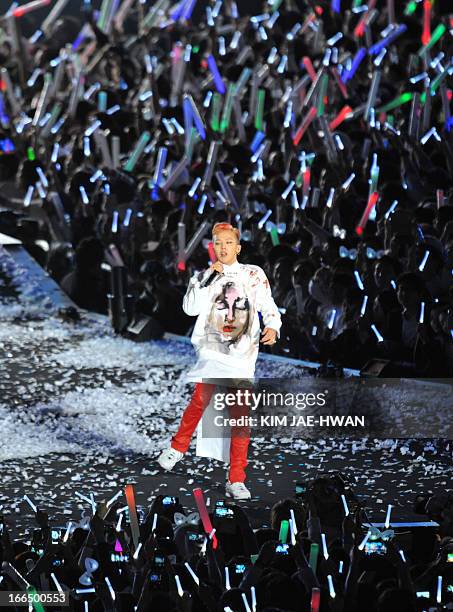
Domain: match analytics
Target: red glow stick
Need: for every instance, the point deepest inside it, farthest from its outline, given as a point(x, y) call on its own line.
point(305, 125)
point(130, 498)
point(339, 82)
point(307, 179)
point(212, 255)
point(340, 118)
point(31, 6)
point(315, 600)
point(426, 36)
point(309, 68)
point(203, 511)
point(359, 30)
point(372, 200)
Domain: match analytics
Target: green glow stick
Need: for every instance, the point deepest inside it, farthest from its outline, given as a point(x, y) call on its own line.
point(102, 101)
point(410, 8)
point(191, 143)
point(436, 35)
point(226, 114)
point(31, 154)
point(274, 237)
point(399, 101)
point(437, 81)
point(35, 599)
point(253, 558)
point(140, 147)
point(313, 561)
point(242, 80)
point(322, 94)
point(283, 535)
point(356, 3)
point(260, 110)
point(215, 111)
point(276, 4)
point(105, 11)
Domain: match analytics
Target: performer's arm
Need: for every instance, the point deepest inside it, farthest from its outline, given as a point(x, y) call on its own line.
point(195, 296)
point(266, 305)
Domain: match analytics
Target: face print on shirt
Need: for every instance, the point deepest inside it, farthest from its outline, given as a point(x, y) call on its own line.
point(229, 317)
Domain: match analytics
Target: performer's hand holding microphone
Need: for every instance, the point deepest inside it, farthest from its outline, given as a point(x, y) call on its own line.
point(216, 268)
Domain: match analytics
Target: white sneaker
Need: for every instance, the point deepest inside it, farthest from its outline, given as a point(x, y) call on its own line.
point(169, 458)
point(237, 490)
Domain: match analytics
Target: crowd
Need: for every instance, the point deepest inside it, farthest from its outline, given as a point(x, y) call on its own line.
point(322, 130)
point(318, 553)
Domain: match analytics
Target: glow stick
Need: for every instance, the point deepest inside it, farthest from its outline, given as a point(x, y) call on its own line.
point(181, 246)
point(57, 9)
point(331, 588)
point(291, 531)
point(127, 217)
point(30, 503)
point(153, 14)
point(348, 182)
point(342, 115)
point(440, 197)
point(101, 142)
point(111, 591)
point(312, 113)
point(372, 94)
point(139, 148)
point(227, 578)
point(15, 107)
point(39, 187)
point(201, 206)
point(173, 177)
point(215, 112)
point(261, 223)
point(219, 84)
point(372, 201)
point(436, 36)
point(154, 525)
point(160, 165)
point(189, 103)
point(103, 15)
point(387, 518)
point(115, 151)
point(426, 36)
point(102, 101)
point(358, 58)
point(115, 222)
point(178, 586)
point(422, 313)
point(28, 196)
point(335, 5)
point(192, 573)
point(309, 67)
point(94, 177)
point(345, 505)
point(399, 101)
point(439, 590)
point(324, 83)
point(113, 499)
point(242, 81)
point(31, 6)
point(246, 603)
point(438, 80)
point(364, 303)
point(198, 493)
point(56, 582)
point(377, 48)
point(313, 560)
point(367, 537)
point(324, 546)
point(293, 518)
point(226, 114)
point(260, 110)
point(315, 599)
point(421, 267)
point(401, 553)
point(55, 151)
point(130, 498)
point(330, 198)
point(378, 335)
point(213, 152)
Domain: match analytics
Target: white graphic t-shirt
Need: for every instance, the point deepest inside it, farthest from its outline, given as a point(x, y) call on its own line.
point(227, 331)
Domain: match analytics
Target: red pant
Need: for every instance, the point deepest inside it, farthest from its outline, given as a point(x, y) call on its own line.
point(240, 436)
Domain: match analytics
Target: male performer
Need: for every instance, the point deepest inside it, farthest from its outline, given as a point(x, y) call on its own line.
point(226, 299)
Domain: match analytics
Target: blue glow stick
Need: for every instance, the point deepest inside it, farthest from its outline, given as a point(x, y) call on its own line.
point(194, 187)
point(364, 303)
point(115, 222)
point(127, 220)
point(331, 588)
point(358, 58)
point(86, 146)
point(375, 49)
point(332, 320)
point(336, 6)
point(257, 140)
point(263, 219)
point(92, 128)
point(189, 106)
point(422, 313)
point(207, 100)
point(160, 165)
point(84, 195)
point(391, 209)
point(287, 191)
point(379, 337)
point(55, 150)
point(42, 177)
point(94, 177)
point(188, 9)
point(219, 84)
point(201, 206)
point(102, 101)
point(358, 280)
point(421, 267)
point(29, 195)
point(178, 12)
point(294, 200)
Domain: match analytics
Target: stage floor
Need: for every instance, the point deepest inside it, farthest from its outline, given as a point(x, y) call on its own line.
point(83, 411)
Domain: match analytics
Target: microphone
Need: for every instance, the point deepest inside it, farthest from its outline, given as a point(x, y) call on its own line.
point(209, 280)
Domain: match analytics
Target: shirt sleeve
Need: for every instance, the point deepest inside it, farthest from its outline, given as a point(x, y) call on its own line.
point(266, 305)
point(195, 297)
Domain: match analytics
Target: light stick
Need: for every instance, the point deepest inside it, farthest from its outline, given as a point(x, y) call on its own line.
point(312, 113)
point(246, 603)
point(331, 587)
point(42, 177)
point(115, 222)
point(365, 539)
point(153, 15)
point(173, 177)
point(181, 246)
point(364, 303)
point(196, 239)
point(348, 182)
point(324, 546)
point(55, 151)
point(379, 336)
point(358, 58)
point(372, 201)
point(372, 94)
point(139, 148)
point(309, 67)
point(313, 560)
point(160, 165)
point(377, 48)
point(219, 84)
point(194, 187)
point(421, 267)
point(189, 103)
point(227, 578)
point(387, 517)
point(226, 189)
point(397, 102)
point(115, 151)
point(315, 599)
point(199, 499)
point(345, 505)
point(31, 6)
point(113, 499)
point(30, 503)
point(56, 11)
point(215, 112)
point(213, 152)
point(260, 110)
point(28, 196)
point(324, 83)
point(414, 119)
point(439, 590)
point(130, 498)
point(436, 36)
point(422, 313)
point(178, 586)
point(101, 143)
point(342, 115)
point(330, 197)
point(226, 114)
point(426, 36)
point(15, 107)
